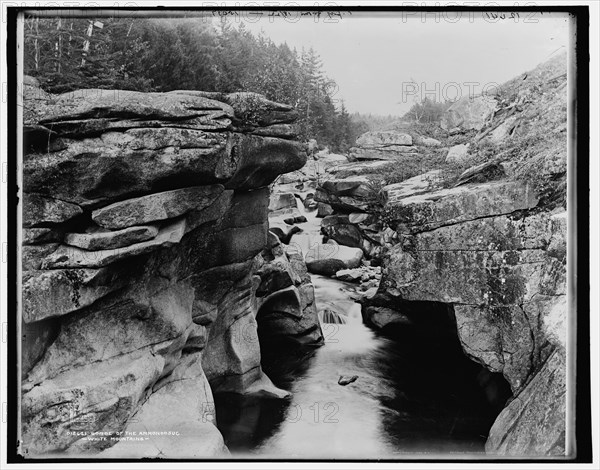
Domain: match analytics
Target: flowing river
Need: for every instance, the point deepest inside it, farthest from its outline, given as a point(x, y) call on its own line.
point(415, 392)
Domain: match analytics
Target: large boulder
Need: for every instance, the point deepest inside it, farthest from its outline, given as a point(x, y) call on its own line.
point(340, 229)
point(349, 194)
point(328, 258)
point(469, 113)
point(287, 314)
point(381, 145)
point(324, 209)
point(280, 201)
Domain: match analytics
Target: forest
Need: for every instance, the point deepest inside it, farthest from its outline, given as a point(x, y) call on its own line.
point(140, 54)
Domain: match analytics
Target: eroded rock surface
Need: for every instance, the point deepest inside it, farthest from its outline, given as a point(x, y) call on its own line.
point(487, 251)
point(492, 247)
point(146, 215)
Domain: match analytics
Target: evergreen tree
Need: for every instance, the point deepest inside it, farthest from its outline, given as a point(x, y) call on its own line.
point(163, 55)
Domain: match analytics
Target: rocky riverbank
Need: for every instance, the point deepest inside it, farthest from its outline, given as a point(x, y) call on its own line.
point(169, 238)
point(487, 241)
point(146, 263)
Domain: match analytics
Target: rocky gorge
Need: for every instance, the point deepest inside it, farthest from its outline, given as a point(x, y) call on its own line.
point(475, 238)
point(146, 261)
point(177, 246)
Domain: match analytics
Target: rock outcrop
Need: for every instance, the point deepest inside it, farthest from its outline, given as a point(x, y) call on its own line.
point(469, 113)
point(287, 314)
point(501, 263)
point(145, 222)
point(381, 145)
point(492, 246)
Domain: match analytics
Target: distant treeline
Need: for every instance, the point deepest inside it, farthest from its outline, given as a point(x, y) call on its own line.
point(162, 55)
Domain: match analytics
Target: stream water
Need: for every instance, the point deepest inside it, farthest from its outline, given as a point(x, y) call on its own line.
point(415, 392)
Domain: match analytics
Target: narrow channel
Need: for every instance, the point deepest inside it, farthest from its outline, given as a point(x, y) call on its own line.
point(414, 389)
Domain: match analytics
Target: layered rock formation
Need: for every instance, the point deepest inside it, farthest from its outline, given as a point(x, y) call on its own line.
point(496, 252)
point(144, 219)
point(381, 145)
point(502, 265)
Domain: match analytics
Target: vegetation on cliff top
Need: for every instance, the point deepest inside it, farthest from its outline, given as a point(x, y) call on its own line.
point(66, 54)
point(531, 114)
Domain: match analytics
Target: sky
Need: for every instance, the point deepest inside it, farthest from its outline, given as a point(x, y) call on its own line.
point(383, 62)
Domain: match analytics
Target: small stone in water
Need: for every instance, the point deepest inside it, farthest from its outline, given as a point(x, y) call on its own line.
point(346, 379)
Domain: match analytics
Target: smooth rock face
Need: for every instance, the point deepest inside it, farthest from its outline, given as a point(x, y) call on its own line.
point(158, 206)
point(234, 336)
point(36, 337)
point(500, 338)
point(101, 396)
point(503, 131)
point(181, 406)
point(262, 159)
point(126, 326)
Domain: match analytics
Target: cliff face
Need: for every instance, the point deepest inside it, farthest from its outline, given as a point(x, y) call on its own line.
point(493, 246)
point(504, 271)
point(144, 219)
